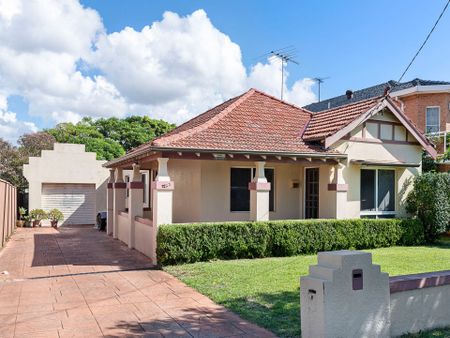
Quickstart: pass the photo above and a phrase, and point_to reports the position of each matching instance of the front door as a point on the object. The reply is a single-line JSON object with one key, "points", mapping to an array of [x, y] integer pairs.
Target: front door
{"points": [[311, 192]]}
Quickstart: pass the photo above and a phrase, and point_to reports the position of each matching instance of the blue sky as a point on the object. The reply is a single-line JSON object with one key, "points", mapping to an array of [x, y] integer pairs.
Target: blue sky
{"points": [[114, 58], [355, 43]]}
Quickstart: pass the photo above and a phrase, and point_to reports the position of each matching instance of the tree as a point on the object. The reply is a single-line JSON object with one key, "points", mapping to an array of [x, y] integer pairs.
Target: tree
{"points": [[429, 200], [86, 133], [111, 137], [132, 131], [32, 144], [11, 165]]}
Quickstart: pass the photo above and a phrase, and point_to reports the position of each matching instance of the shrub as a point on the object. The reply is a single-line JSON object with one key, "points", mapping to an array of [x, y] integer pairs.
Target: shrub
{"points": [[55, 215], [188, 243], [429, 200], [38, 215]]}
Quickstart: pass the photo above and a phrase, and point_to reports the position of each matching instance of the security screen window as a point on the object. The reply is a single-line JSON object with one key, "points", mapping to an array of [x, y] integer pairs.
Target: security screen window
{"points": [[239, 193], [377, 193], [432, 120]]}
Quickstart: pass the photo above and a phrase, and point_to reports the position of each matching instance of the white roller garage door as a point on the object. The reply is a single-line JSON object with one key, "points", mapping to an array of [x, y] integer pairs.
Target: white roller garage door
{"points": [[76, 201]]}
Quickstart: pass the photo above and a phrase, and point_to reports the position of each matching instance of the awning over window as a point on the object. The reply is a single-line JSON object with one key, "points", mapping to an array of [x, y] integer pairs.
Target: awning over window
{"points": [[385, 163]]}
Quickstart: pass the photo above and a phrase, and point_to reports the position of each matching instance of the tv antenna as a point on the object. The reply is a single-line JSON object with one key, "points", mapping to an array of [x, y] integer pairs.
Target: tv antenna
{"points": [[285, 55], [319, 81]]}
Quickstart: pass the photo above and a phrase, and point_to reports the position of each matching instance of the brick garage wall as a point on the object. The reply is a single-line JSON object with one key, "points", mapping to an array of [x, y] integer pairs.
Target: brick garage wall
{"points": [[415, 108]]}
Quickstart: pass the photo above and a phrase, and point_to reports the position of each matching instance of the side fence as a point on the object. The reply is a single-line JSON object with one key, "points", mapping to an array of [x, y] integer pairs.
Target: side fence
{"points": [[345, 295], [8, 210]]}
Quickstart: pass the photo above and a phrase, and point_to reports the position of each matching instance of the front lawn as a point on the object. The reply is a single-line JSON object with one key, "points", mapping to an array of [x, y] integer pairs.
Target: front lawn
{"points": [[266, 291]]}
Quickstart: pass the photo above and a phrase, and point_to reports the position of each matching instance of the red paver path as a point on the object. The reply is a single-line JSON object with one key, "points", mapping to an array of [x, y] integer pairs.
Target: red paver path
{"points": [[78, 282]]}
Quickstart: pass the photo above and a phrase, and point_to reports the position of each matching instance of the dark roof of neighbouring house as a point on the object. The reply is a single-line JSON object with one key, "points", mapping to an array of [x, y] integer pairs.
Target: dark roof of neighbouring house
{"points": [[370, 92]]}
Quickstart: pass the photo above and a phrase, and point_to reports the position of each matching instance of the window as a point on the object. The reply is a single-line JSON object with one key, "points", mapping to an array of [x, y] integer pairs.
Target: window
{"points": [[377, 193], [239, 193], [432, 120]]}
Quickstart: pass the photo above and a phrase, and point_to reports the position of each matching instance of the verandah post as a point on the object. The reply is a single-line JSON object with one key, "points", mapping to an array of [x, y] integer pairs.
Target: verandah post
{"points": [[259, 194]]}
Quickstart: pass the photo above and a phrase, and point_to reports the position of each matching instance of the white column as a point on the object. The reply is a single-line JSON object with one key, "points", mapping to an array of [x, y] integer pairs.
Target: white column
{"points": [[110, 203], [162, 201], [120, 190], [135, 202], [340, 187], [259, 195]]}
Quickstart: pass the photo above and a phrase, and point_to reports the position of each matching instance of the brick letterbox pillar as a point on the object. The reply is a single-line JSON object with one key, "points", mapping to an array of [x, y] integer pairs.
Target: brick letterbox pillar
{"points": [[345, 295]]}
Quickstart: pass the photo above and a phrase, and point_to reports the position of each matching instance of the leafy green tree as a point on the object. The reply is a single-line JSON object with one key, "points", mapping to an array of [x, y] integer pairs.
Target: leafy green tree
{"points": [[430, 202], [131, 131], [85, 133], [11, 164]]}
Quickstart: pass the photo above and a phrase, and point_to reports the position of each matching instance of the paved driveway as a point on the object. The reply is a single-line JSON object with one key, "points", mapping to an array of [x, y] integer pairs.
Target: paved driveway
{"points": [[78, 282]]}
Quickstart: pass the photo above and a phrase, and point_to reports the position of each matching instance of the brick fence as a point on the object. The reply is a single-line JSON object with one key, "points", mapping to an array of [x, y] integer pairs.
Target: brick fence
{"points": [[345, 295], [8, 210]]}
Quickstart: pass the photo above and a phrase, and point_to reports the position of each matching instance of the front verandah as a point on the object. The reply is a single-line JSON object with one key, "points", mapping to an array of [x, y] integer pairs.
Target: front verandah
{"points": [[197, 188]]}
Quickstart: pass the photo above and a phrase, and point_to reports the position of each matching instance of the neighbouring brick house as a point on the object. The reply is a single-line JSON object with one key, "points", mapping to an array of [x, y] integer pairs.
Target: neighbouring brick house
{"points": [[255, 157], [425, 102]]}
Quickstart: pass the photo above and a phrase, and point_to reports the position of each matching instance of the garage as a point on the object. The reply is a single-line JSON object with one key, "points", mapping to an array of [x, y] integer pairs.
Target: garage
{"points": [[76, 201]]}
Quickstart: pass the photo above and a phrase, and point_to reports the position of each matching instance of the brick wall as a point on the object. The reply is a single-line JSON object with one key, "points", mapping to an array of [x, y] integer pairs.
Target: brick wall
{"points": [[415, 108]]}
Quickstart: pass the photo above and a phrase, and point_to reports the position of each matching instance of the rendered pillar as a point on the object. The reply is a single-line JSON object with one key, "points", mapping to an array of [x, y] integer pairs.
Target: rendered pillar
{"points": [[259, 195], [338, 185], [345, 295], [110, 204], [162, 202], [135, 202], [119, 188]]}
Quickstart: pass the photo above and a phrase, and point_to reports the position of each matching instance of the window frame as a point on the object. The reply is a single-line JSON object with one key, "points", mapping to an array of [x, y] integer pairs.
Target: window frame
{"points": [[439, 119], [252, 174], [376, 212]]}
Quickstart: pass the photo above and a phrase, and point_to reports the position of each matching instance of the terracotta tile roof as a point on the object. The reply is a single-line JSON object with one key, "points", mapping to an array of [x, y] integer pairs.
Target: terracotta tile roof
{"points": [[328, 122], [253, 121]]}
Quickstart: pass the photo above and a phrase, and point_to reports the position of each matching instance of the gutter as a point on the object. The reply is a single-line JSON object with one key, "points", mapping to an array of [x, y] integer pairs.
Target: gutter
{"points": [[222, 151]]}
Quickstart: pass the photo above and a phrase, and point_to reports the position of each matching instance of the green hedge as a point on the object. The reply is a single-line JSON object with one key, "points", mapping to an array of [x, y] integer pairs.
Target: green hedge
{"points": [[188, 243]]}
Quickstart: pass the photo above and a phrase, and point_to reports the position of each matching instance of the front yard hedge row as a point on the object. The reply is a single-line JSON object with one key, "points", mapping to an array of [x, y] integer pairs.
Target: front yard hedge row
{"points": [[189, 243]]}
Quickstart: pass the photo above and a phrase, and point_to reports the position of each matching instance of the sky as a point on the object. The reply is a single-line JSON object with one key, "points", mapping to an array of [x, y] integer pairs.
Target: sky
{"points": [[61, 60]]}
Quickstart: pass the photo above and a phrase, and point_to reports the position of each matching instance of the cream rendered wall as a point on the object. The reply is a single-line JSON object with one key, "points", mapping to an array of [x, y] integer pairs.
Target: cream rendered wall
{"points": [[186, 195], [66, 163], [379, 152], [202, 190]]}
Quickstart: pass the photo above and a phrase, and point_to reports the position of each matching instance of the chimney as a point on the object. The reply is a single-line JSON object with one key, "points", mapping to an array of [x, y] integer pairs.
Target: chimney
{"points": [[349, 94]]}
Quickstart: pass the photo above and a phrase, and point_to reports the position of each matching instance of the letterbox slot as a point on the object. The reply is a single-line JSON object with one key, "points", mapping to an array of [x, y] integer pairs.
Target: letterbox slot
{"points": [[312, 291], [357, 279]]}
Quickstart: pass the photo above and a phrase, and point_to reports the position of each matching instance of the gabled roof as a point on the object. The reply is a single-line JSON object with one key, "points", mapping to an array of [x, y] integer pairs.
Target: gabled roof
{"points": [[328, 122], [370, 92], [333, 124], [253, 121]]}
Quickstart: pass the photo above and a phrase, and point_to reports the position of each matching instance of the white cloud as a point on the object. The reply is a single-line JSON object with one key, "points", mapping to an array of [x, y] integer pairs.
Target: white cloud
{"points": [[267, 77], [10, 127], [173, 69]]}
